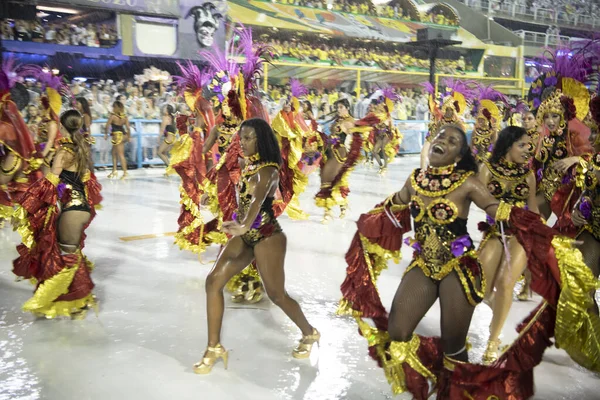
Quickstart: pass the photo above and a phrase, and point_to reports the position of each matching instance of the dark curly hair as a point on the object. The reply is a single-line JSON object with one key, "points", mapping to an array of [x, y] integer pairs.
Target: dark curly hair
{"points": [[266, 142], [507, 137]]}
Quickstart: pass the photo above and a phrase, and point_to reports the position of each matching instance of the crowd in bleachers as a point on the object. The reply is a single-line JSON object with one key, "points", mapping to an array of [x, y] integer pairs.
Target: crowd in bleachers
{"points": [[91, 35], [385, 56]]}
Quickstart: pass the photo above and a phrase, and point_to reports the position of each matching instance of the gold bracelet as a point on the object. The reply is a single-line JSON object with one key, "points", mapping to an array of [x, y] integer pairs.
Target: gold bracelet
{"points": [[13, 168]]}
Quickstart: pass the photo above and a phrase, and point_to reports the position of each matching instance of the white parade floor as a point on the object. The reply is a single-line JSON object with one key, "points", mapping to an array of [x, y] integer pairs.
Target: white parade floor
{"points": [[151, 325]]}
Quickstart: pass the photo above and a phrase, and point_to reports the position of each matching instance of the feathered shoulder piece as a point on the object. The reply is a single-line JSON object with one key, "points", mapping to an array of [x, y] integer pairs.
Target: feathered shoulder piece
{"points": [[53, 85], [191, 82]]}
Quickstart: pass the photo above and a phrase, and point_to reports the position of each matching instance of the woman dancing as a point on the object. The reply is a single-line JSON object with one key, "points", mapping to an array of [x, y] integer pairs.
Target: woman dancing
{"points": [[508, 178], [53, 239], [187, 159], [255, 235], [338, 162], [83, 107], [385, 136], [121, 134], [291, 131], [445, 267], [169, 131]]}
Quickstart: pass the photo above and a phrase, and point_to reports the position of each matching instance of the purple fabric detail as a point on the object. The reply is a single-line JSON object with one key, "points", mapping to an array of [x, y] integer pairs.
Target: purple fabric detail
{"points": [[42, 146], [586, 208], [490, 148], [460, 245], [415, 245], [566, 179], [218, 157], [490, 220], [536, 103], [540, 174], [61, 189], [333, 141], [255, 224]]}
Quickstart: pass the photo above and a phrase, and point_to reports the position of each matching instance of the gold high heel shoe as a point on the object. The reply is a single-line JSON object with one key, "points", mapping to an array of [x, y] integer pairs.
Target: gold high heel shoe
{"points": [[525, 294], [112, 175], [326, 218], [125, 175], [306, 344], [255, 292], [491, 352], [211, 356]]}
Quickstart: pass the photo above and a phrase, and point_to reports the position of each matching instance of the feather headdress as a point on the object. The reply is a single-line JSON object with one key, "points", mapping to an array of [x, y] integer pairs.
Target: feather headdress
{"points": [[255, 55], [191, 82], [484, 106], [54, 86], [227, 81], [569, 69]]}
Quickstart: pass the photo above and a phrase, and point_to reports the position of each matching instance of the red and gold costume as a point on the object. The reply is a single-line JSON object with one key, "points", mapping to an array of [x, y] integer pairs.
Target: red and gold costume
{"points": [[187, 159], [63, 284], [234, 92], [335, 193], [569, 98], [15, 139], [487, 122], [558, 275], [447, 108], [291, 130]]}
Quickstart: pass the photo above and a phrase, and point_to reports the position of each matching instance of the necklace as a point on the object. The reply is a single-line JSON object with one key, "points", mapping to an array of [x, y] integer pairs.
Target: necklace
{"points": [[252, 168], [438, 181], [507, 170]]}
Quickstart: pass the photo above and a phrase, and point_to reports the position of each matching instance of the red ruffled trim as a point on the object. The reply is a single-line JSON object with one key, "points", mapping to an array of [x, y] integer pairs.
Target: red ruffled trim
{"points": [[44, 260], [358, 288]]}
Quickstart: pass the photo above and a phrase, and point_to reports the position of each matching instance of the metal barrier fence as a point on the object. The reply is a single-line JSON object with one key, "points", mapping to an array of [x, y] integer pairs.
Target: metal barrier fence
{"points": [[142, 150]]}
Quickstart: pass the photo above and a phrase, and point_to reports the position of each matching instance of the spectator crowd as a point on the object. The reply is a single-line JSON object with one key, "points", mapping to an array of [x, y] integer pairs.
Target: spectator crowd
{"points": [[90, 35], [354, 53], [394, 9]]}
